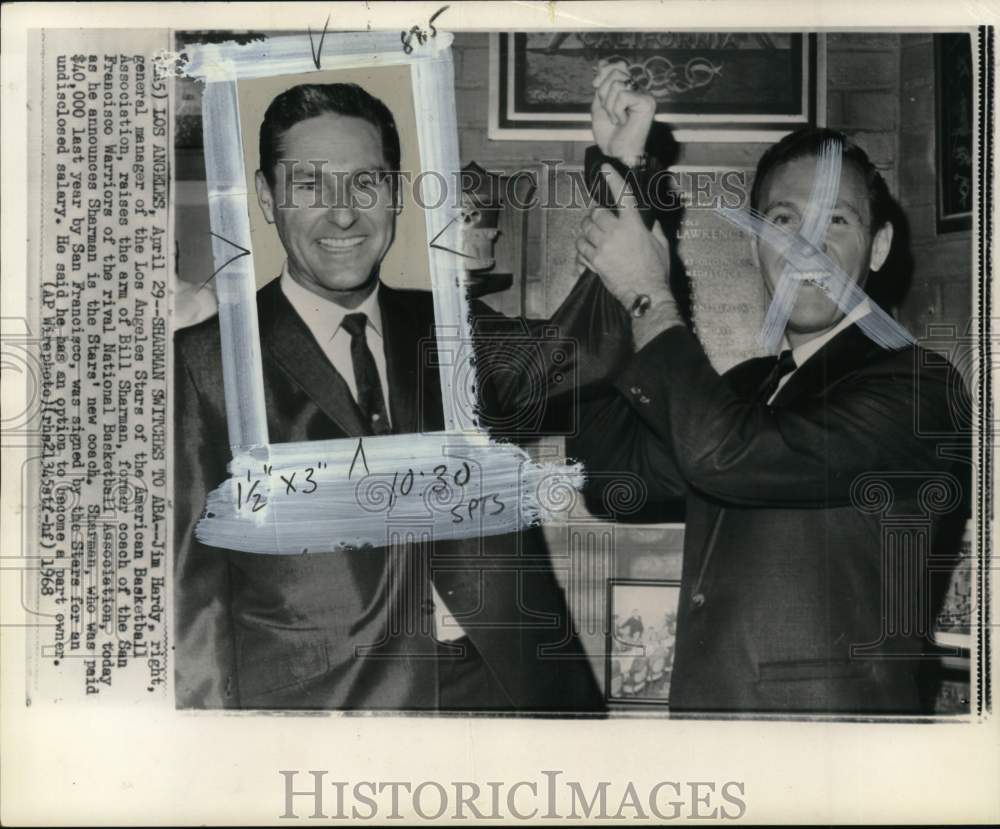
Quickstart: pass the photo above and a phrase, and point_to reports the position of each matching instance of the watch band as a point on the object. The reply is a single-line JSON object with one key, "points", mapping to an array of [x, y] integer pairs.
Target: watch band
{"points": [[641, 164]]}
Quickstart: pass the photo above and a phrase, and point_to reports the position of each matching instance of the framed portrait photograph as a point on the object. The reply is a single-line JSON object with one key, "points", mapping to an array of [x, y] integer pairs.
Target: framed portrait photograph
{"points": [[641, 636], [244, 84], [326, 186], [709, 86]]}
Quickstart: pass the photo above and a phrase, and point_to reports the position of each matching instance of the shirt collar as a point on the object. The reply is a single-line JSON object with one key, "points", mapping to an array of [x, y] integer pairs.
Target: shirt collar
{"points": [[808, 349], [322, 316]]}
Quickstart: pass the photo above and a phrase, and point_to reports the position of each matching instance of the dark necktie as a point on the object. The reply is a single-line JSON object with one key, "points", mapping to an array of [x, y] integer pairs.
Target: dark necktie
{"points": [[370, 398], [784, 365]]}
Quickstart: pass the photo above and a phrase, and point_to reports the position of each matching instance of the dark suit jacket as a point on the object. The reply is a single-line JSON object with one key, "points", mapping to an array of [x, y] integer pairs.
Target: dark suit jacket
{"points": [[267, 631], [783, 570]]}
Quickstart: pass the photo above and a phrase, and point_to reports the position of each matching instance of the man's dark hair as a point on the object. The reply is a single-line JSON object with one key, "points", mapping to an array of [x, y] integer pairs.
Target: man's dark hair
{"points": [[807, 142], [309, 100]]}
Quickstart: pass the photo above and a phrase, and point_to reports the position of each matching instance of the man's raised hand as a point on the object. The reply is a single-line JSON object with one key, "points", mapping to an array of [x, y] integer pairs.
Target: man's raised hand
{"points": [[621, 116], [630, 259]]}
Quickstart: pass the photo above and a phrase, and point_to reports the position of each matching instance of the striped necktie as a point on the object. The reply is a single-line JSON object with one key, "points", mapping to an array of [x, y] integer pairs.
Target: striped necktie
{"points": [[371, 401]]}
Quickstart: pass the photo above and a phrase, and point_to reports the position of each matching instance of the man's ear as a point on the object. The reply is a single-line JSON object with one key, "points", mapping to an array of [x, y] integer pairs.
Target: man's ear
{"points": [[265, 198], [881, 245]]}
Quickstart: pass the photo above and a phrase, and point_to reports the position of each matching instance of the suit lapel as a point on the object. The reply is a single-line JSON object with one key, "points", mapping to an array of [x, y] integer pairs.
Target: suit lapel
{"points": [[288, 340], [846, 352], [407, 318]]}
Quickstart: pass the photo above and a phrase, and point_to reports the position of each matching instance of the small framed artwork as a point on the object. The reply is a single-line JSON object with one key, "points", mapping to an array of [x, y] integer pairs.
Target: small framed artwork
{"points": [[709, 86], [639, 656], [954, 75]]}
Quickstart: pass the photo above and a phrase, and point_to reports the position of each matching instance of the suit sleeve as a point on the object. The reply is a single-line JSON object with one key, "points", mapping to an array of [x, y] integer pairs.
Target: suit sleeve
{"points": [[204, 669], [553, 367], [745, 453], [619, 450], [534, 374]]}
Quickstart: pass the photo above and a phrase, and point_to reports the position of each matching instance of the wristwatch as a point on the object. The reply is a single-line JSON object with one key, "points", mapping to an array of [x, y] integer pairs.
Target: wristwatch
{"points": [[640, 305]]}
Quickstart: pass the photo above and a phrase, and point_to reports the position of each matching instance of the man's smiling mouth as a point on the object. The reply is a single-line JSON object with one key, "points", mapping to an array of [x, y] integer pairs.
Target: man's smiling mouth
{"points": [[817, 279], [339, 244]]}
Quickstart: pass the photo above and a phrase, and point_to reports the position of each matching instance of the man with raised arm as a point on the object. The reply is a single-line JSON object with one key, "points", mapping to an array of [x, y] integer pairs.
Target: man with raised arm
{"points": [[796, 594]]}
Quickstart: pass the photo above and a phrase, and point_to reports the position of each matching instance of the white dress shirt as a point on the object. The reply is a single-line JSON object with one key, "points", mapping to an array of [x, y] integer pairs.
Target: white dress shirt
{"points": [[324, 319], [803, 352]]}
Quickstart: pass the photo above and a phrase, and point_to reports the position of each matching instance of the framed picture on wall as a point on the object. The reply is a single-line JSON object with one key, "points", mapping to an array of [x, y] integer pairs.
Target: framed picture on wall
{"points": [[709, 86], [953, 69], [639, 656]]}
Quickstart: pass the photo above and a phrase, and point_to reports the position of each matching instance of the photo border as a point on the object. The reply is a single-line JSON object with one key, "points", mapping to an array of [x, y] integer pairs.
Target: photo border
{"points": [[221, 67], [68, 771]]}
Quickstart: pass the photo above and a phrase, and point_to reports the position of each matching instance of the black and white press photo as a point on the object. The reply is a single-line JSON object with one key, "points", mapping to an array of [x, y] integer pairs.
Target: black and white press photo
{"points": [[786, 429], [482, 412]]}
